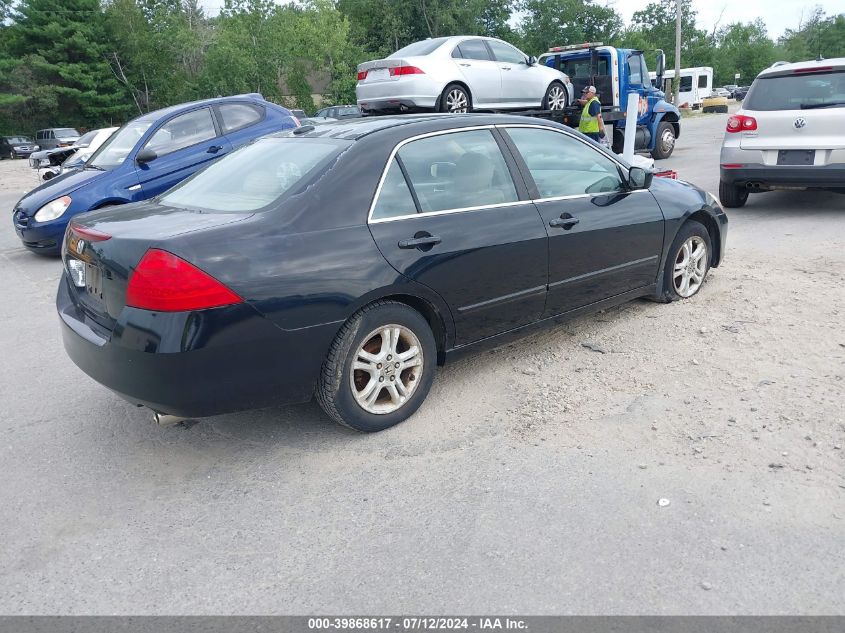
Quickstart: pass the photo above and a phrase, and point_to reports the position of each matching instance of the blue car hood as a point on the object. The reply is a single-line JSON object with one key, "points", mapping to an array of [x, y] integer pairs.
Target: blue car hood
{"points": [[62, 185]]}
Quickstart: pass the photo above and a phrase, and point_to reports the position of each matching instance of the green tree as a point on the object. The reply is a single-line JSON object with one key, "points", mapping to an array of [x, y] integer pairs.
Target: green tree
{"points": [[560, 22], [743, 48], [58, 67]]}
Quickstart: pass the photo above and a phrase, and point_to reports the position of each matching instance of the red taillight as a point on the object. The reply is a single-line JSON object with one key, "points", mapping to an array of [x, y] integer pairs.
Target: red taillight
{"points": [[731, 165], [362, 75], [165, 283], [405, 70], [741, 123], [92, 235]]}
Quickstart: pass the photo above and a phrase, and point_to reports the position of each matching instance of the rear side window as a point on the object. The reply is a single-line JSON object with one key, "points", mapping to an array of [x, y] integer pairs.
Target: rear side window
{"points": [[395, 198], [238, 115], [686, 83], [474, 49], [183, 131], [564, 166], [458, 170], [797, 92]]}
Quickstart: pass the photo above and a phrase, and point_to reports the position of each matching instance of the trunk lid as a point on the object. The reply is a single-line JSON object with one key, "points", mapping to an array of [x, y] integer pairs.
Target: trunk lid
{"points": [[101, 250], [378, 70]]}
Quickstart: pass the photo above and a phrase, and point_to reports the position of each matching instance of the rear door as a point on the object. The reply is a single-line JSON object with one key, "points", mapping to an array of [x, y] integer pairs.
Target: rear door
{"points": [[449, 214], [184, 144], [522, 86], [603, 239], [480, 71]]}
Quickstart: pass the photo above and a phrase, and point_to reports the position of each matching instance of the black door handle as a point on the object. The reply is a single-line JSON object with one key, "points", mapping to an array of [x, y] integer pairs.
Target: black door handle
{"points": [[420, 241], [214, 149], [565, 221]]}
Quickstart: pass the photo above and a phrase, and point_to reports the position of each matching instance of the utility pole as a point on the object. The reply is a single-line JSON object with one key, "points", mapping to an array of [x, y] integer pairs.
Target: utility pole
{"points": [[677, 80]]}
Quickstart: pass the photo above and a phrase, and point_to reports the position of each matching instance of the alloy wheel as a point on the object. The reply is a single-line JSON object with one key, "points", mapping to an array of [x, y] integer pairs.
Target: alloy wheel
{"points": [[667, 140], [557, 98], [690, 266], [386, 369], [456, 101]]}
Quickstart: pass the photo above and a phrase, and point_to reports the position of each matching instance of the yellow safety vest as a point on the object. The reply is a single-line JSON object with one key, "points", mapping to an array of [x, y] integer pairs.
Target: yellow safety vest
{"points": [[588, 124]]}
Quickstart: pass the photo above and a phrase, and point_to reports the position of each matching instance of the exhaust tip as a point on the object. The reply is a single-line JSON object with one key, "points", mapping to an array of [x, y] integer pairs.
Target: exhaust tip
{"points": [[162, 419]]}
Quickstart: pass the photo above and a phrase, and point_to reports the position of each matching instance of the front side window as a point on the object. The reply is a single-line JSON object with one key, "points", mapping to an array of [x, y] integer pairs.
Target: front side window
{"points": [[183, 131], [506, 53], [474, 49], [564, 166], [395, 198], [238, 115], [118, 146], [635, 70], [458, 170], [254, 176]]}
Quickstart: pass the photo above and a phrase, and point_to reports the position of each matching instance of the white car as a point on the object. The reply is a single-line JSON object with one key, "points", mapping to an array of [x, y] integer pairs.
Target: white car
{"points": [[721, 92], [789, 133], [460, 74], [57, 161]]}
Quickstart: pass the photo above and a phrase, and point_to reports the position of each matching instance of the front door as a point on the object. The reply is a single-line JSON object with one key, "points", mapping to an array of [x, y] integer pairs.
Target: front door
{"points": [[449, 215], [604, 240], [183, 145], [522, 86]]}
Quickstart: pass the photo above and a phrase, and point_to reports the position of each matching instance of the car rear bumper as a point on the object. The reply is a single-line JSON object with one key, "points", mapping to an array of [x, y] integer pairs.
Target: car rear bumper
{"points": [[195, 364], [771, 176], [408, 93]]}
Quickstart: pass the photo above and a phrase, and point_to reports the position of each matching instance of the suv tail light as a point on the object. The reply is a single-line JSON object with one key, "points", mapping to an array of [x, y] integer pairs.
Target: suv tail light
{"points": [[405, 70], [163, 282], [362, 75], [741, 123]]}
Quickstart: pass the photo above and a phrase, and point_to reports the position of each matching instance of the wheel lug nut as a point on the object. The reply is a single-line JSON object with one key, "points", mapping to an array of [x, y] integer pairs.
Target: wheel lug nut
{"points": [[389, 357], [393, 377], [397, 365], [381, 378], [378, 366]]}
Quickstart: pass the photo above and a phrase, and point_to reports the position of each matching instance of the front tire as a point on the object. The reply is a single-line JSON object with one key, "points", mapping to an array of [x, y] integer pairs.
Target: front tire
{"points": [[688, 262], [379, 368], [732, 196], [556, 97], [455, 99], [664, 145]]}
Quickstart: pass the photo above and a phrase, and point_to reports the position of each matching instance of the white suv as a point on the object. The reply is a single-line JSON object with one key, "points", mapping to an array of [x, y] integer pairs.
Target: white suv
{"points": [[789, 133]]}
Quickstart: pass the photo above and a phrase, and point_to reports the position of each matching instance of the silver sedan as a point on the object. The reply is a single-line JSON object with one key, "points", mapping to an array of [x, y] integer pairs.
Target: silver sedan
{"points": [[460, 74]]}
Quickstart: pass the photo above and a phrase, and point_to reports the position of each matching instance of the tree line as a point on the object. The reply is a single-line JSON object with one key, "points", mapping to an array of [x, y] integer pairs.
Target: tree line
{"points": [[90, 63]]}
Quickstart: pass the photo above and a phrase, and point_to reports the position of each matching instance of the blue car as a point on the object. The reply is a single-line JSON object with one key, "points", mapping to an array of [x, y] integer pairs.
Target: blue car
{"points": [[144, 158]]}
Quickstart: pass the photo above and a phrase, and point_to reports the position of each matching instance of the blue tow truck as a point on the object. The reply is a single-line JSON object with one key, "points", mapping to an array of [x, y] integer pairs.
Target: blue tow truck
{"points": [[616, 72]]}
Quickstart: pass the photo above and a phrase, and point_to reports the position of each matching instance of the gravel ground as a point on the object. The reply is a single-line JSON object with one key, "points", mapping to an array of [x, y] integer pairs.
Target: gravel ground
{"points": [[529, 481]]}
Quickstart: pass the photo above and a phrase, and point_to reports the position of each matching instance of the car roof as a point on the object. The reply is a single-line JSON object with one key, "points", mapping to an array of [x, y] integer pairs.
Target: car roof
{"points": [[780, 69], [157, 114], [354, 129]]}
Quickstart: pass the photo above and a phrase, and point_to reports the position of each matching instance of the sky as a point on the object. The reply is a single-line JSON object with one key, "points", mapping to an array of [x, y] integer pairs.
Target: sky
{"points": [[778, 15]]}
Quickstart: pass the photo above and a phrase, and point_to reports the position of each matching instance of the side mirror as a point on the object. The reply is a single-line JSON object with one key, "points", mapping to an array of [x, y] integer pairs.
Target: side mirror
{"points": [[145, 156], [532, 60], [661, 64], [639, 178]]}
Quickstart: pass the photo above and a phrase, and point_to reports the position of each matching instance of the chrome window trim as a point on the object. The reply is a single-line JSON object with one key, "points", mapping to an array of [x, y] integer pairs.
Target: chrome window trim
{"points": [[504, 126]]}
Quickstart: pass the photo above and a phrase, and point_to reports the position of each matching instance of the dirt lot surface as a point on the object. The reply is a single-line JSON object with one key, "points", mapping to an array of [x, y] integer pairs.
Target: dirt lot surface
{"points": [[529, 481]]}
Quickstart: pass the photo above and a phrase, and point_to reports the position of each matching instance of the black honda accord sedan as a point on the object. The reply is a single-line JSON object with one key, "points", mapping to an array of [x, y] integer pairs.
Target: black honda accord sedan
{"points": [[349, 260]]}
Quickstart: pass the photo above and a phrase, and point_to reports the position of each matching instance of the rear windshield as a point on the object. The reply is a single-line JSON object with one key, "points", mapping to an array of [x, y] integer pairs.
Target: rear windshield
{"points": [[797, 92], [425, 47], [254, 176]]}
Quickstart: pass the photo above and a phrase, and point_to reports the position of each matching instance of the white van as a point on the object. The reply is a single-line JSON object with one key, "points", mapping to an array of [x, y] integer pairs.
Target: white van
{"points": [[696, 85]]}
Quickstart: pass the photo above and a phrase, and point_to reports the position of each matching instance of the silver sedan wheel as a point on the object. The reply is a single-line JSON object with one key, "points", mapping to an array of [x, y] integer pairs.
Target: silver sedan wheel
{"points": [[557, 98], [387, 369], [456, 101], [690, 267]]}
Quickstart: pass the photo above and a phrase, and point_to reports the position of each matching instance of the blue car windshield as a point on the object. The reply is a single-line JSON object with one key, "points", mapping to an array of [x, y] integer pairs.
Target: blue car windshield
{"points": [[254, 176], [115, 150]]}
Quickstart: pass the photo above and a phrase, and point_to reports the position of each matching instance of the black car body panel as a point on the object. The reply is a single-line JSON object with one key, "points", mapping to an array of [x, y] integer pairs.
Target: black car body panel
{"points": [[307, 263]]}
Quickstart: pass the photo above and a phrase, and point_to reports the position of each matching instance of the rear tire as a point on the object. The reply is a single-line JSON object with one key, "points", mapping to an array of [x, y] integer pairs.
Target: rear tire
{"points": [[375, 394], [556, 97], [664, 145], [732, 196], [455, 99]]}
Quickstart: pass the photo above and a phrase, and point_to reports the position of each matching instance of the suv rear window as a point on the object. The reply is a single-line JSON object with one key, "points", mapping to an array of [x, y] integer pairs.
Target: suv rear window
{"points": [[797, 92]]}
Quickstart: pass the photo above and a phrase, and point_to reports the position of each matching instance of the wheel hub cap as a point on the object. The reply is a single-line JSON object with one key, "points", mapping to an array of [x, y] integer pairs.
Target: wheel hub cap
{"points": [[690, 266], [386, 369]]}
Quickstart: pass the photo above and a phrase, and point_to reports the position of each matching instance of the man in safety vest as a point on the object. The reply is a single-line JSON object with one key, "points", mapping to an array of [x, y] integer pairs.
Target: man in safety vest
{"points": [[591, 123]]}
